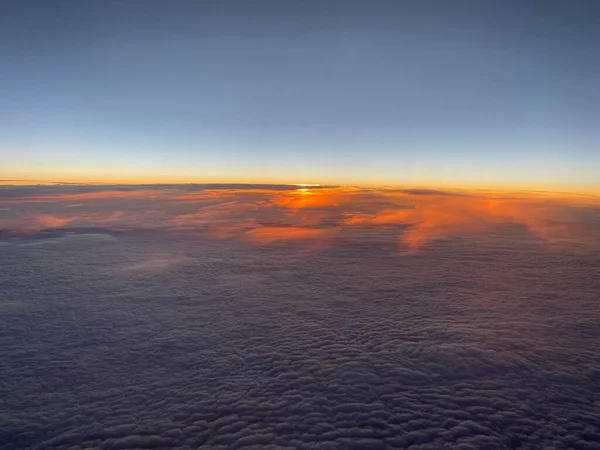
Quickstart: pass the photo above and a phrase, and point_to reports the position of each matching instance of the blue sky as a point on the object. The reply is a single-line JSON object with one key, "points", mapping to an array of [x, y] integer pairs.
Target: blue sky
{"points": [[464, 93]]}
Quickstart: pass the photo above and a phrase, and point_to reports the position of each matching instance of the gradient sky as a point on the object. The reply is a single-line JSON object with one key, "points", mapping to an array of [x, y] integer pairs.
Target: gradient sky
{"points": [[478, 93]]}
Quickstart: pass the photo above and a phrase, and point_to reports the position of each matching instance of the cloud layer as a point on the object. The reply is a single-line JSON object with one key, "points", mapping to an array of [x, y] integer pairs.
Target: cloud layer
{"points": [[257, 318], [262, 215]]}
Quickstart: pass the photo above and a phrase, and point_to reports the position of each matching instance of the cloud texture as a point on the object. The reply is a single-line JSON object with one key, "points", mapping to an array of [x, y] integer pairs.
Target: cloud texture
{"points": [[262, 214], [255, 318]]}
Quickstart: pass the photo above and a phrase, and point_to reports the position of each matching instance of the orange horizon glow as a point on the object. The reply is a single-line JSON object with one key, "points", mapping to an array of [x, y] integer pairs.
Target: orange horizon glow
{"points": [[378, 183], [313, 217]]}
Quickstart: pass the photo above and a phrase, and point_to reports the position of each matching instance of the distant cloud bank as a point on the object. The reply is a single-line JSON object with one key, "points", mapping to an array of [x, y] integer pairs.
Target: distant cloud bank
{"points": [[266, 214]]}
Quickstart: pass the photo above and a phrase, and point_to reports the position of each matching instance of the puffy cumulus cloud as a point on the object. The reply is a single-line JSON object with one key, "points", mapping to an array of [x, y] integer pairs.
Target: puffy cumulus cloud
{"points": [[228, 346]]}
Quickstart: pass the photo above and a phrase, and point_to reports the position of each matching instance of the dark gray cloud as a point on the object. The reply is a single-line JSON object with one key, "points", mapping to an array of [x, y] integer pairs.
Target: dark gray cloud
{"points": [[131, 339]]}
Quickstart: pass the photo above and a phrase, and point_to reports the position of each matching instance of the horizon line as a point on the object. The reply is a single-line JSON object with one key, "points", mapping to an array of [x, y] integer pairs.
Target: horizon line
{"points": [[38, 183]]}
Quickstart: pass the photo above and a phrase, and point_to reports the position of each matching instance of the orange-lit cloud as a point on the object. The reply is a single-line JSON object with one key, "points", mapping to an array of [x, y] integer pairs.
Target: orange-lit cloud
{"points": [[318, 216], [47, 220], [52, 221], [430, 217], [306, 198]]}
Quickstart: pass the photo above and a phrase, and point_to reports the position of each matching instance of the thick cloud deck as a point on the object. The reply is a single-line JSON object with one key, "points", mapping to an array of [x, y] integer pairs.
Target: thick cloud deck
{"points": [[255, 318]]}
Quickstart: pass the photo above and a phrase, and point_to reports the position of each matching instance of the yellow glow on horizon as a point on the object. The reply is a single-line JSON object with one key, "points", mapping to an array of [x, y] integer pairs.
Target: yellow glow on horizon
{"points": [[169, 178]]}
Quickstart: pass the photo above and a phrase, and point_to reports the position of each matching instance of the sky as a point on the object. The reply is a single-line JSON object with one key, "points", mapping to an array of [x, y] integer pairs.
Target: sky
{"points": [[478, 94]]}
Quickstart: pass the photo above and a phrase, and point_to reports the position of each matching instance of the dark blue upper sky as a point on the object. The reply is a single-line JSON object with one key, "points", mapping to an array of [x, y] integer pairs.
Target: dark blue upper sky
{"points": [[486, 93]]}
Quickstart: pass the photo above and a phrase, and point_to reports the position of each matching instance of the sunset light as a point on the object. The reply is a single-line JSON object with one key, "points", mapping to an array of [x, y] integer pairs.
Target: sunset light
{"points": [[300, 225]]}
